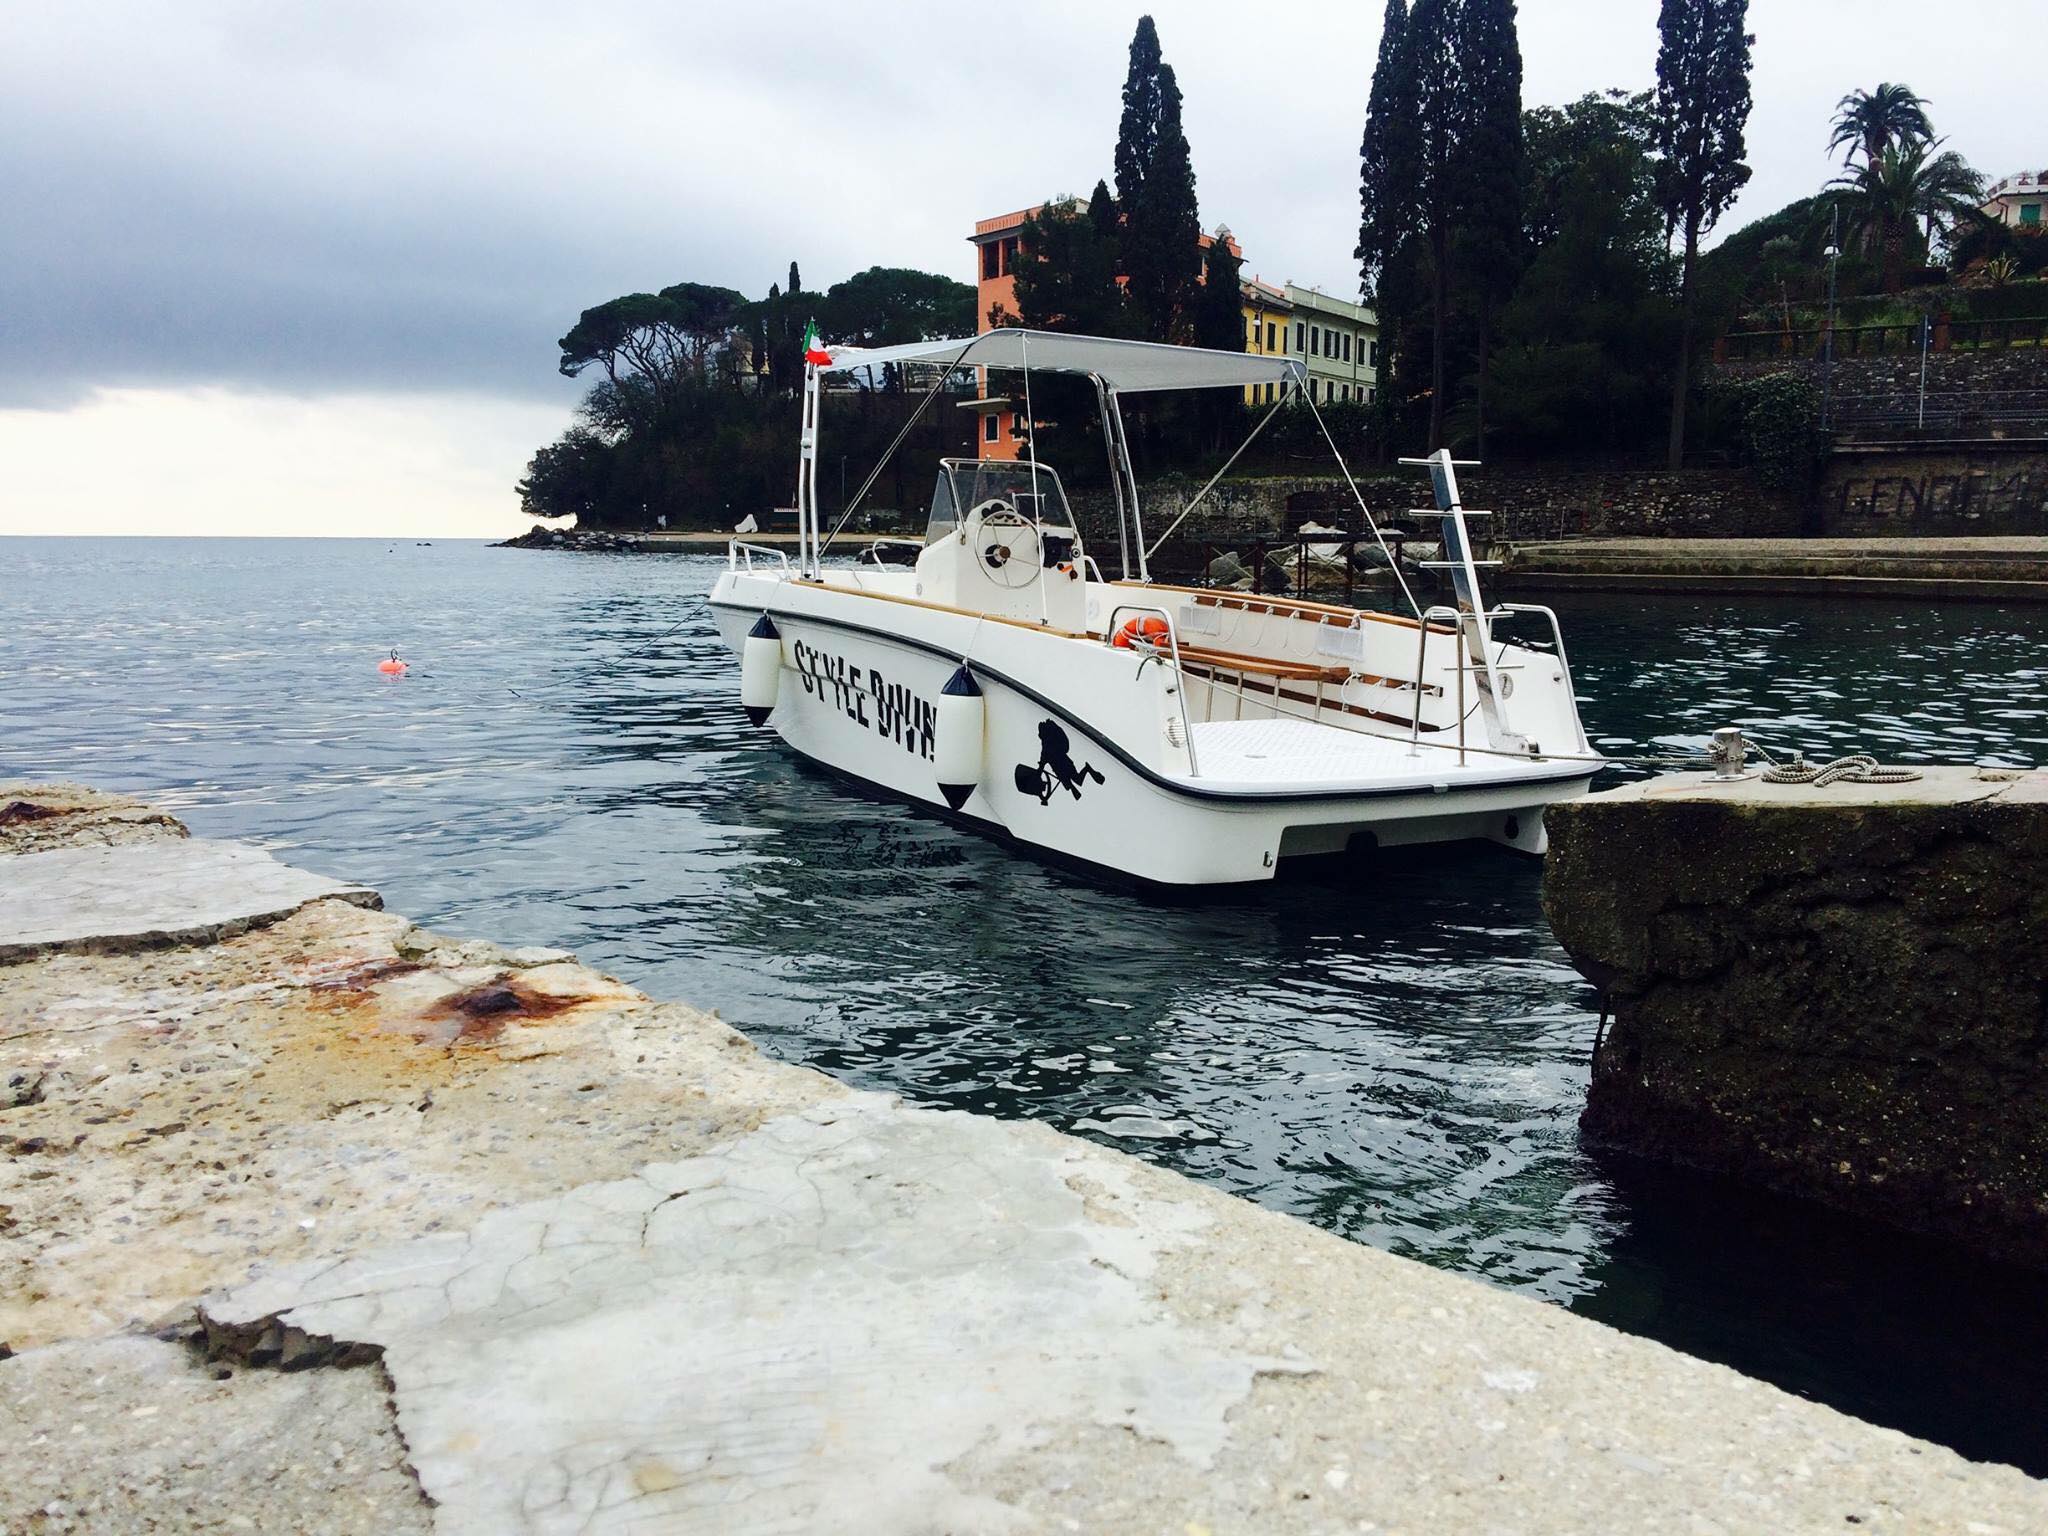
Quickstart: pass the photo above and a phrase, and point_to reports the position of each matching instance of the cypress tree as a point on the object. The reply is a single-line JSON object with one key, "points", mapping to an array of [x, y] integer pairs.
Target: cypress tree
{"points": [[1159, 225], [1489, 167], [796, 283], [1432, 52], [1218, 322], [1386, 155], [1102, 212], [1169, 227], [1219, 302], [1701, 110], [1108, 230], [1138, 130]]}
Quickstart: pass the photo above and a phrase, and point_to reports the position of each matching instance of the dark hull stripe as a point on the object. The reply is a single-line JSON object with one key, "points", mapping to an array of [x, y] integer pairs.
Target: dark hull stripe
{"points": [[1150, 776]]}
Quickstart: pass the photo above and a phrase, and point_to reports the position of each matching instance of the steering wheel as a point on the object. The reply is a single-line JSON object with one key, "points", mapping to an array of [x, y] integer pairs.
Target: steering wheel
{"points": [[1007, 544]]}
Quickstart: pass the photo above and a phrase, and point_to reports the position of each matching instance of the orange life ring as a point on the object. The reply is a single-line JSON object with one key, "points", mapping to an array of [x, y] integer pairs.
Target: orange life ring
{"points": [[1144, 629]]}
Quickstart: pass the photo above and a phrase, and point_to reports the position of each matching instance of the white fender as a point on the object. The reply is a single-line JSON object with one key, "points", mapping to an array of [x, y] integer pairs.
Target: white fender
{"points": [[956, 737], [760, 669]]}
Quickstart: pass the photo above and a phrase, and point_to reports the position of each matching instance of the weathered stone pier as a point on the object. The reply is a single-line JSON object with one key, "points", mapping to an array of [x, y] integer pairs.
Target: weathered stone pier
{"points": [[1840, 992], [311, 1219]]}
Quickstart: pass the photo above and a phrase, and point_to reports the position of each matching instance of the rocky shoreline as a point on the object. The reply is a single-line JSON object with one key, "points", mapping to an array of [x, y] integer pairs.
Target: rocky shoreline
{"points": [[539, 536]]}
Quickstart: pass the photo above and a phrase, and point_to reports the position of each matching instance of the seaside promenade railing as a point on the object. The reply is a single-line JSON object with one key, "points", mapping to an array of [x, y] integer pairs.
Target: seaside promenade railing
{"points": [[1945, 415], [1898, 340]]}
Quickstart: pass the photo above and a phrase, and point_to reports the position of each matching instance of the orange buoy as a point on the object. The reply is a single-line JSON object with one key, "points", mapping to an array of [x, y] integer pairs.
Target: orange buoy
{"points": [[1146, 629], [391, 666]]}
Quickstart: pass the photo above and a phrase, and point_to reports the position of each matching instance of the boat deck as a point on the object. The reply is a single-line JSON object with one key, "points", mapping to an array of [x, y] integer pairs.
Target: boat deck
{"points": [[1289, 754]]}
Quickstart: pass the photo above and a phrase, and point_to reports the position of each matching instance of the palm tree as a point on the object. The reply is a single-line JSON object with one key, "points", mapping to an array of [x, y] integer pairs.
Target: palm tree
{"points": [[1890, 117], [1886, 198]]}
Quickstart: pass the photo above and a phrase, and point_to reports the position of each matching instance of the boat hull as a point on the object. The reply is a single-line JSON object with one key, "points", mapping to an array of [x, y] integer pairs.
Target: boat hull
{"points": [[861, 690]]}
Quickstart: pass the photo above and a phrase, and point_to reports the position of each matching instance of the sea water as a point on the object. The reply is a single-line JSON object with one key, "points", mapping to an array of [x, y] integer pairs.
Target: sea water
{"points": [[1398, 1055]]}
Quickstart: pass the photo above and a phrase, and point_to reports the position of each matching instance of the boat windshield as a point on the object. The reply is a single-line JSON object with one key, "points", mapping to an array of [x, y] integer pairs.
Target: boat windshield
{"points": [[964, 484]]}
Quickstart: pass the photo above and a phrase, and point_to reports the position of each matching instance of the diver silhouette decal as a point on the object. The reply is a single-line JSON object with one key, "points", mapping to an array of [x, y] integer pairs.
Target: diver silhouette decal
{"points": [[1055, 768]]}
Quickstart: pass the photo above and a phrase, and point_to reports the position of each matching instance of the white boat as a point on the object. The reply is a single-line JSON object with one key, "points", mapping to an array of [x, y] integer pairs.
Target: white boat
{"points": [[1172, 735]]}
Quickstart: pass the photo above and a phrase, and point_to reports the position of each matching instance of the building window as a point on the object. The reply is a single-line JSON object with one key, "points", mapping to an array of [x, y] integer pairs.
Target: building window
{"points": [[1371, 394], [1315, 340], [1374, 358], [991, 258], [2030, 213], [1300, 331], [989, 427], [1347, 346], [1269, 335]]}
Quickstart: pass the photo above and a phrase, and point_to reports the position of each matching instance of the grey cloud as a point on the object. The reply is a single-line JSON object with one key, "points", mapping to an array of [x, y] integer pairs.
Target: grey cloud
{"points": [[378, 195]]}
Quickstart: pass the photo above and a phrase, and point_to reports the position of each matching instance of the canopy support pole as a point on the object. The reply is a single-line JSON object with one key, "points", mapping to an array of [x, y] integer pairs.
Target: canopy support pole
{"points": [[883, 462], [1116, 479], [1393, 560], [1123, 448], [1258, 427]]}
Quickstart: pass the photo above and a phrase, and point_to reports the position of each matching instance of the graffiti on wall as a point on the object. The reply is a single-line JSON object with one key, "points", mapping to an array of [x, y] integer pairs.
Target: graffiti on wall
{"points": [[2007, 500]]}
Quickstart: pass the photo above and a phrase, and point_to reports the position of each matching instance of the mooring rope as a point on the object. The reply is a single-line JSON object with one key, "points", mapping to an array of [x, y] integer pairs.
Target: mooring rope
{"points": [[1857, 768]]}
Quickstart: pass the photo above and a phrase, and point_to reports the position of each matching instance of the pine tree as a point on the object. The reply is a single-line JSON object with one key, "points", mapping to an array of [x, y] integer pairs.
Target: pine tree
{"points": [[1065, 269], [1702, 109], [1489, 171]]}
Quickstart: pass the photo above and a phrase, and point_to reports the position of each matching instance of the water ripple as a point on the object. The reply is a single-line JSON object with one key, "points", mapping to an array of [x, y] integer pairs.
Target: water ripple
{"points": [[1399, 1057]]}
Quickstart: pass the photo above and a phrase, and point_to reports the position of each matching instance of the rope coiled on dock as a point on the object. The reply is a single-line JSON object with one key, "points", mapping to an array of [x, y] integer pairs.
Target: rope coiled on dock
{"points": [[1857, 768]]}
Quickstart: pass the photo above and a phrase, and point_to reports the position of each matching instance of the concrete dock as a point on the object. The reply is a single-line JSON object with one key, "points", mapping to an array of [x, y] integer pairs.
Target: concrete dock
{"points": [[1837, 991], [1988, 569], [311, 1219]]}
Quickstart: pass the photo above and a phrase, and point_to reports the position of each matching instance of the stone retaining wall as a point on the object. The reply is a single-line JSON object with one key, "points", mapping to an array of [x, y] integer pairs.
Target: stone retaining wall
{"points": [[1528, 502], [1989, 489], [1838, 993], [1975, 370]]}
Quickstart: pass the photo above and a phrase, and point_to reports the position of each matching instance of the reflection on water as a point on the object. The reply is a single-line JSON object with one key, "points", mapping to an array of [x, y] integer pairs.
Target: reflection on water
{"points": [[1397, 1053]]}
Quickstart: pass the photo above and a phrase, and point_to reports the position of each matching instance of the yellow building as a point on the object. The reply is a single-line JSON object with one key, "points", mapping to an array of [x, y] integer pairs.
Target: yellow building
{"points": [[1266, 312]]}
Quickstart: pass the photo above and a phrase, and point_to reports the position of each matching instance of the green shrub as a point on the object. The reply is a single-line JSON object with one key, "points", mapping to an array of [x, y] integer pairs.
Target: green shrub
{"points": [[1777, 428]]}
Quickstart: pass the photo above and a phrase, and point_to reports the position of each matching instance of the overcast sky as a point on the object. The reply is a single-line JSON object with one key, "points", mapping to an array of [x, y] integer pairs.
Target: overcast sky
{"points": [[275, 267]]}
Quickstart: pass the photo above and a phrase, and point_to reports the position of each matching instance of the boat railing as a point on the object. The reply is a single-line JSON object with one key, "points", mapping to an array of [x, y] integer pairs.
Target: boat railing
{"points": [[1564, 664], [740, 556], [1460, 619], [873, 553], [1151, 651], [1456, 618]]}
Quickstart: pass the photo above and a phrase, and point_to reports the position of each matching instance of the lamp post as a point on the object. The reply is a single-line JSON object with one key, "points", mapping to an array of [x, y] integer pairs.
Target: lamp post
{"points": [[1827, 369]]}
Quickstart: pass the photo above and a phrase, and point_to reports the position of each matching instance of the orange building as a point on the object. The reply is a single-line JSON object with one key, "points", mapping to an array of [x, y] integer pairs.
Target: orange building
{"points": [[996, 242]]}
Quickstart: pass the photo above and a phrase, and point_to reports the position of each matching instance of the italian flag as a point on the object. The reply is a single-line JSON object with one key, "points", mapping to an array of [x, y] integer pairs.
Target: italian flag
{"points": [[814, 349]]}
